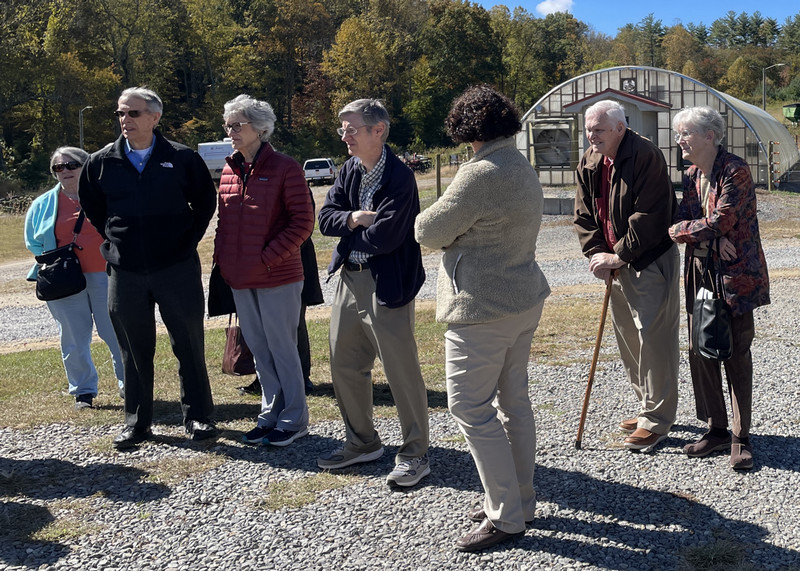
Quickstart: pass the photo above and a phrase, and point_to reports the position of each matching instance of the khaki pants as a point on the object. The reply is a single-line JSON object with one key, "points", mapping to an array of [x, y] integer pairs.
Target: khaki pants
{"points": [[361, 330], [645, 312], [487, 393]]}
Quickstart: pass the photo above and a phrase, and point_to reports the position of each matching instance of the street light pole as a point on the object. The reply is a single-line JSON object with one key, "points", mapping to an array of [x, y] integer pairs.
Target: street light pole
{"points": [[80, 123], [764, 84]]}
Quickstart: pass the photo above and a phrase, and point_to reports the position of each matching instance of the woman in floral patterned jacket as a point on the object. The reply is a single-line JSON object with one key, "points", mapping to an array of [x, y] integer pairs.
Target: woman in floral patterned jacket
{"points": [[719, 202]]}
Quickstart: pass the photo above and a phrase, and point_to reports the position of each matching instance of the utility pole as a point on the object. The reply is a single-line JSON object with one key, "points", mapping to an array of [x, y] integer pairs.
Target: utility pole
{"points": [[80, 123]]}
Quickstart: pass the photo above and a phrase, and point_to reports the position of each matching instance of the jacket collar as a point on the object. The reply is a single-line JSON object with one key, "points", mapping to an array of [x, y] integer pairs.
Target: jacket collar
{"points": [[160, 147], [236, 160], [492, 146]]}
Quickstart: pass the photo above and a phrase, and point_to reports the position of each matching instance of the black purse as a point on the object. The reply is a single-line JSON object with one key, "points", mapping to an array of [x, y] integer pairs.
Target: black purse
{"points": [[712, 337], [60, 274]]}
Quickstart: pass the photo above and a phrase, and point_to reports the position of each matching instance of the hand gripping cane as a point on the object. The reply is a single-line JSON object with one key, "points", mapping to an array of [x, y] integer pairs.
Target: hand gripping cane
{"points": [[594, 362]]}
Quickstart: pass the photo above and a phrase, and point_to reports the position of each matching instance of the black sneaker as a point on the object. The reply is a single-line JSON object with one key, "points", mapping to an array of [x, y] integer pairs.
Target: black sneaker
{"points": [[201, 430], [83, 401], [130, 437], [256, 436], [253, 388], [278, 437]]}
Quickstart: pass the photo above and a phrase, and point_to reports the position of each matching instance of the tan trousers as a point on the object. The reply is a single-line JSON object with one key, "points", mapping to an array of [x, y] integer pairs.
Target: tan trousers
{"points": [[361, 330], [487, 393], [645, 311]]}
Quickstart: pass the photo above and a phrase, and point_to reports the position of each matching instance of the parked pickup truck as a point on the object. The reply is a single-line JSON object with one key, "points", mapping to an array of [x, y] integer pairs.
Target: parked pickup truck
{"points": [[320, 170]]}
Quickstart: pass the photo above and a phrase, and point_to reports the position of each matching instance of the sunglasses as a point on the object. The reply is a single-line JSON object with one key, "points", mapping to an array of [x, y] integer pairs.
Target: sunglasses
{"points": [[235, 127], [70, 166], [133, 113]]}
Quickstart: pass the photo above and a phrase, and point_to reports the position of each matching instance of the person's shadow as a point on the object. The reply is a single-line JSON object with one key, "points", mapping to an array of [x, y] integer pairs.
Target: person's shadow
{"points": [[50, 479]]}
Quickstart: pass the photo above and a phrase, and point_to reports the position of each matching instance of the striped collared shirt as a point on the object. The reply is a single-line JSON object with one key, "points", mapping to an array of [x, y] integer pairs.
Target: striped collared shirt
{"points": [[370, 182]]}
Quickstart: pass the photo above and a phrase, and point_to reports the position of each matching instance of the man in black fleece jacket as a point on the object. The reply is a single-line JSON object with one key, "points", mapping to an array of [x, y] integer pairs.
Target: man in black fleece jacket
{"points": [[152, 199]]}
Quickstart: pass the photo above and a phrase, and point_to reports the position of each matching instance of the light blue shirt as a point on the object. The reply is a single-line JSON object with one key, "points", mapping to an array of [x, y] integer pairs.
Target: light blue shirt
{"points": [[139, 158]]}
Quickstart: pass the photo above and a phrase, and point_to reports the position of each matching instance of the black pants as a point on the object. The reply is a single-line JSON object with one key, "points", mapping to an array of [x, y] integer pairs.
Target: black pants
{"points": [[178, 291]]}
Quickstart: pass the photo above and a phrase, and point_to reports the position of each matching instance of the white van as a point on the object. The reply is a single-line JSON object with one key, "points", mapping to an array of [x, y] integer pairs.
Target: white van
{"points": [[214, 155]]}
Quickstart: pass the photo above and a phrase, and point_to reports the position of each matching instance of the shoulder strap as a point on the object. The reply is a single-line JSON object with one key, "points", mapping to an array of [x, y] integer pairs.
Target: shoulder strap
{"points": [[78, 225]]}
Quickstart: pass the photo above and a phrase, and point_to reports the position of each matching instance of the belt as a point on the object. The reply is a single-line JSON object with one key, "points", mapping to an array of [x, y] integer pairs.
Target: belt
{"points": [[351, 267]]}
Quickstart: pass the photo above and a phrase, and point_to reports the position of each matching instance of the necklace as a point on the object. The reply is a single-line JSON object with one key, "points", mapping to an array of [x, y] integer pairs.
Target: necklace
{"points": [[73, 199]]}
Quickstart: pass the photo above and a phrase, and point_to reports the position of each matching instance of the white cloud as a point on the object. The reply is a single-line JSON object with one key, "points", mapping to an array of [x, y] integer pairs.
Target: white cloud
{"points": [[552, 6]]}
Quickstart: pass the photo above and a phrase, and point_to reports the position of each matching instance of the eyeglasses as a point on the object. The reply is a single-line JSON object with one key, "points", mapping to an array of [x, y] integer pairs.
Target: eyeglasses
{"points": [[350, 131], [235, 127], [132, 113], [683, 135], [70, 166]]}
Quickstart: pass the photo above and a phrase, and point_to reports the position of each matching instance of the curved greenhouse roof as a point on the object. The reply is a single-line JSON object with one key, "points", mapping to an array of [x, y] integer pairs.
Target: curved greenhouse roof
{"points": [[552, 137]]}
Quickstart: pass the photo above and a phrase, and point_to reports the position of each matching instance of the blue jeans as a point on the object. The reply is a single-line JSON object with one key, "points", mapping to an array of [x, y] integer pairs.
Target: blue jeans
{"points": [[76, 316]]}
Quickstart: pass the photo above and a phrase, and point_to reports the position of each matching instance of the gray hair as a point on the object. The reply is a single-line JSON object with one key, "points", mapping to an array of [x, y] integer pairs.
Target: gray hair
{"points": [[610, 109], [372, 112], [69, 153], [259, 113], [151, 99], [703, 119]]}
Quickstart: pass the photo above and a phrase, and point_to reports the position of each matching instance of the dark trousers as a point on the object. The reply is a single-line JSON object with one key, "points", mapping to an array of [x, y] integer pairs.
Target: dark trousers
{"points": [[709, 394], [304, 345], [178, 291]]}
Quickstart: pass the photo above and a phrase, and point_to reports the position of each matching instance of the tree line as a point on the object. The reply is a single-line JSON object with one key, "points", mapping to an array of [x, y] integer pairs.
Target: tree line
{"points": [[62, 59]]}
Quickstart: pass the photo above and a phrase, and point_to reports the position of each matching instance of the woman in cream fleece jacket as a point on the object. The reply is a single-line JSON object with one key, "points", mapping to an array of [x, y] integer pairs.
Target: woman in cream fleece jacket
{"points": [[490, 292]]}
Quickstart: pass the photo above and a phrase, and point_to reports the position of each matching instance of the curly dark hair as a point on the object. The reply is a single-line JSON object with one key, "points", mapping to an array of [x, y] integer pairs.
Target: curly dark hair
{"points": [[482, 114]]}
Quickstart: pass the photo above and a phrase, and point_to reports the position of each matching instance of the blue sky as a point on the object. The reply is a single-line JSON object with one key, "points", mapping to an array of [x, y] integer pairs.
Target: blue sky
{"points": [[607, 17]]}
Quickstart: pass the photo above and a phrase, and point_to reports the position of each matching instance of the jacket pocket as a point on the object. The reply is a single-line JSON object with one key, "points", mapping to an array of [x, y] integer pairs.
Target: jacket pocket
{"points": [[453, 279]]}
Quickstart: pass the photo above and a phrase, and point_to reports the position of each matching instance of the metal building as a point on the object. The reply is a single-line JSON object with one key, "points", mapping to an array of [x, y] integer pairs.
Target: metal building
{"points": [[553, 139]]}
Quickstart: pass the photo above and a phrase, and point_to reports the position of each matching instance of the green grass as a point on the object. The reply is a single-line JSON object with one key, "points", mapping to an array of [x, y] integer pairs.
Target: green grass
{"points": [[12, 239]]}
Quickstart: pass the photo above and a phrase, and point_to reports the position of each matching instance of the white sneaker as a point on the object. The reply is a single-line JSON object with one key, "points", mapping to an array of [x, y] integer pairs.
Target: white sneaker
{"points": [[342, 457], [408, 473]]}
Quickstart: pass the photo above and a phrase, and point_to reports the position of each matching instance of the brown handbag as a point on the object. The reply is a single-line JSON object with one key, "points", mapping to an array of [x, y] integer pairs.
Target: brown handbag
{"points": [[237, 358]]}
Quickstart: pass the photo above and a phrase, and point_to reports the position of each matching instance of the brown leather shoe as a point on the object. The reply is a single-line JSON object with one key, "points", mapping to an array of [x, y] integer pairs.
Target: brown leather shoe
{"points": [[741, 455], [706, 445], [629, 424], [643, 440], [478, 514], [484, 536]]}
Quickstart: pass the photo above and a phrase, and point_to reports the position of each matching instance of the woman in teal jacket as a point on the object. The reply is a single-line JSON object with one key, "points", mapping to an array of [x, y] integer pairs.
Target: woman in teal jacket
{"points": [[49, 223]]}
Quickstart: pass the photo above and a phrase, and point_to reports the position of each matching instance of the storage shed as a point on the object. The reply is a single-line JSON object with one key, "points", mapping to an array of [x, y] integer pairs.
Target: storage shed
{"points": [[553, 138]]}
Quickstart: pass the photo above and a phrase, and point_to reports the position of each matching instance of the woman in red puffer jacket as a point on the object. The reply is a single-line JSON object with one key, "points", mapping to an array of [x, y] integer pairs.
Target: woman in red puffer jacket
{"points": [[265, 214]]}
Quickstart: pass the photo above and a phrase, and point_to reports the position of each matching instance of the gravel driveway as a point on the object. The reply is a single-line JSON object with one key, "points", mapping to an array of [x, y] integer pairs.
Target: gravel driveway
{"points": [[599, 508]]}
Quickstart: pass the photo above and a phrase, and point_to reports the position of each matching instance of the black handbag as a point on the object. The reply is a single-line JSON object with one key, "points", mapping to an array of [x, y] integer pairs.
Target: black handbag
{"points": [[712, 337], [60, 274]]}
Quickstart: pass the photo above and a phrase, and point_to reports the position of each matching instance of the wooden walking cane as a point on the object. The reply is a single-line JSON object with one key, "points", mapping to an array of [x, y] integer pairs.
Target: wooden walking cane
{"points": [[594, 361]]}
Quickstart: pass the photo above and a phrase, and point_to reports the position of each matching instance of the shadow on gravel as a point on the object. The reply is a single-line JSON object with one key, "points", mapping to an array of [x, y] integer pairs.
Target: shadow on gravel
{"points": [[605, 537], [50, 479]]}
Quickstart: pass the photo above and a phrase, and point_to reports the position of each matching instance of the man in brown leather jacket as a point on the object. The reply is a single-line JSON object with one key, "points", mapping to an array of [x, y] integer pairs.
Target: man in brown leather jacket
{"points": [[623, 207]]}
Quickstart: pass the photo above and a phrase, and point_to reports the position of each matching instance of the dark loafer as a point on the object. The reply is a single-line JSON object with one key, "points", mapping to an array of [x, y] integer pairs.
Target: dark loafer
{"points": [[130, 437], [484, 536], [201, 430], [706, 445], [741, 454], [253, 388], [478, 514]]}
